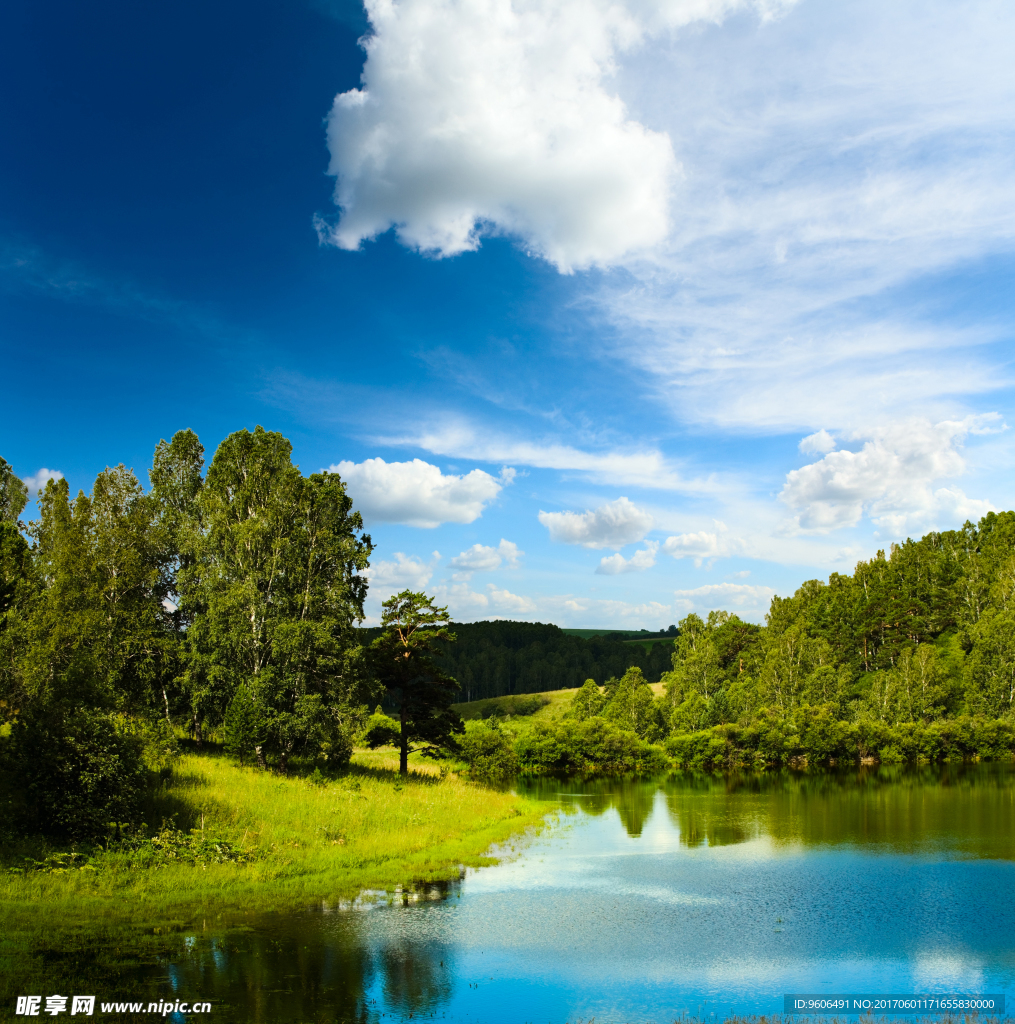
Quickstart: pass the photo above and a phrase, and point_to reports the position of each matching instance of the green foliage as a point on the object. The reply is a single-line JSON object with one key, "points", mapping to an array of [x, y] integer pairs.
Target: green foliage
{"points": [[17, 594], [380, 731], [587, 703], [13, 493], [593, 747], [79, 772], [488, 751], [272, 586], [631, 706], [815, 736], [405, 658]]}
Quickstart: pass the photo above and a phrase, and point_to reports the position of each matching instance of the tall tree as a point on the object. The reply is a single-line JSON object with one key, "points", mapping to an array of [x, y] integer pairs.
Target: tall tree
{"points": [[405, 659], [274, 588]]}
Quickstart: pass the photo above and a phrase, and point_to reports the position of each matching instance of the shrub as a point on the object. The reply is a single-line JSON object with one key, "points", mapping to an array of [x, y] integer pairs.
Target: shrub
{"points": [[79, 772], [593, 747], [487, 750], [380, 731]]}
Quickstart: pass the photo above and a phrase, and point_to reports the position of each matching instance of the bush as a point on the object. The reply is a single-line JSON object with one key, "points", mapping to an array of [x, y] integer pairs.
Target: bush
{"points": [[336, 750], [487, 750], [380, 731], [593, 747], [79, 772]]}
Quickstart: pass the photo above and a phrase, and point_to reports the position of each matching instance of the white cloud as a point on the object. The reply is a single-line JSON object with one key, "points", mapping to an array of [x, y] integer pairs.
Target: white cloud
{"points": [[406, 572], [610, 526], [492, 116], [822, 442], [891, 479], [613, 565], [830, 160], [416, 493], [742, 598], [37, 481], [466, 604], [504, 600], [480, 558], [703, 544]]}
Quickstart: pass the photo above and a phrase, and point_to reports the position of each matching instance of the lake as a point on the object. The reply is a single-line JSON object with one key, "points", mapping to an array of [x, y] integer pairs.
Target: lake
{"points": [[641, 901]]}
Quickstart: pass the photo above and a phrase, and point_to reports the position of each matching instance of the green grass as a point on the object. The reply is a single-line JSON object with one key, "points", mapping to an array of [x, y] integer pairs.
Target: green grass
{"points": [[557, 702], [587, 633], [366, 830], [649, 644]]}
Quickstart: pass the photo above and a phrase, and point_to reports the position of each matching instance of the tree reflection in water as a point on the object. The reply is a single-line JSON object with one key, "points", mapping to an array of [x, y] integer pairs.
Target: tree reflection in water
{"points": [[903, 809]]}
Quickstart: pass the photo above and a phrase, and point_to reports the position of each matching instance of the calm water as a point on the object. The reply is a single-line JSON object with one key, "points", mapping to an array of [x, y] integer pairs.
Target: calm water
{"points": [[643, 901]]}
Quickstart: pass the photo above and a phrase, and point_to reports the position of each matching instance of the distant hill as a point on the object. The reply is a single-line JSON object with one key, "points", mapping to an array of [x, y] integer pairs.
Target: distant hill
{"points": [[493, 659]]}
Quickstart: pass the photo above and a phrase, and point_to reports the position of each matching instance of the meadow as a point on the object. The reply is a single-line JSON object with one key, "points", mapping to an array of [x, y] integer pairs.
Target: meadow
{"points": [[220, 835]]}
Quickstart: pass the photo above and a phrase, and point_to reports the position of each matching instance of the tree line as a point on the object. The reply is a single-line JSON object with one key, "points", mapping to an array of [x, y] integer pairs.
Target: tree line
{"points": [[228, 597], [501, 657]]}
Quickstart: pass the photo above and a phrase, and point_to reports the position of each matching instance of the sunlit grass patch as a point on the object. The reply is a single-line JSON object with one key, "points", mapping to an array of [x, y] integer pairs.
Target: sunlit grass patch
{"points": [[299, 839]]}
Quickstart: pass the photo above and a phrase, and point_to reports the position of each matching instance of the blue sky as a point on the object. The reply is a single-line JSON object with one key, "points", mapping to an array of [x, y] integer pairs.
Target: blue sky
{"points": [[607, 311]]}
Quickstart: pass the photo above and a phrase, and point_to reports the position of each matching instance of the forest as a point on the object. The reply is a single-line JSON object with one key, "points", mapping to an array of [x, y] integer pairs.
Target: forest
{"points": [[491, 659], [225, 602]]}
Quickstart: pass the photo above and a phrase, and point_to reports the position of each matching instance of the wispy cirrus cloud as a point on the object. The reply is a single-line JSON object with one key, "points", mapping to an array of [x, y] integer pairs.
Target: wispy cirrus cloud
{"points": [[638, 467]]}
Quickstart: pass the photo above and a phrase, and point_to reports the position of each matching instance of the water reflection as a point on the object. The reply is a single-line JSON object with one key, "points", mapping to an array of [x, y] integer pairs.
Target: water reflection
{"points": [[969, 809], [651, 898]]}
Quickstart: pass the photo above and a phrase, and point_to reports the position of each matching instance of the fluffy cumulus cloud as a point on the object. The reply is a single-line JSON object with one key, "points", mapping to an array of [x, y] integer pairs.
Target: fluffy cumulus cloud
{"points": [[493, 115], [822, 443], [500, 116], [614, 565], [480, 558], [891, 478], [705, 544], [610, 526], [37, 481], [416, 493], [742, 598], [406, 572]]}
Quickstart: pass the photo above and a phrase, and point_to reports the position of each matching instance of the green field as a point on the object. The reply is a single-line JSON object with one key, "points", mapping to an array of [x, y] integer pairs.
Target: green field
{"points": [[629, 634]]}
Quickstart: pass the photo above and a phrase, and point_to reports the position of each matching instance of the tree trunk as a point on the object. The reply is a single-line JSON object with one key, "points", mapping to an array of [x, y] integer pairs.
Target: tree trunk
{"points": [[197, 731], [403, 752], [259, 750]]}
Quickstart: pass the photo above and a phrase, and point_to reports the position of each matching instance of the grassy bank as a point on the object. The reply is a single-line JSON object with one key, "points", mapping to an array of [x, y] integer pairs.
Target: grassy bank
{"points": [[255, 840]]}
